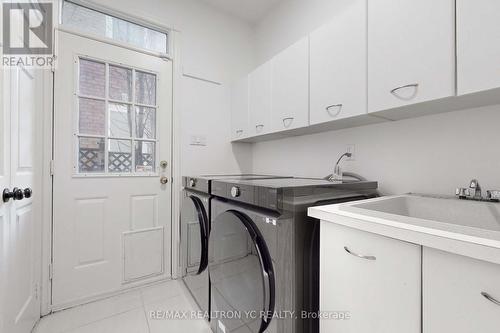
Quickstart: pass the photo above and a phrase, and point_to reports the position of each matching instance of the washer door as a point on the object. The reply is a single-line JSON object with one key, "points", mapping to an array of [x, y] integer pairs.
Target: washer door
{"points": [[241, 272], [194, 235]]}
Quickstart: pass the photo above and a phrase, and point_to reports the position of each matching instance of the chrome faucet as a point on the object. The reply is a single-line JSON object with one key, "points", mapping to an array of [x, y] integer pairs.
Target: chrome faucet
{"points": [[475, 189], [474, 192]]}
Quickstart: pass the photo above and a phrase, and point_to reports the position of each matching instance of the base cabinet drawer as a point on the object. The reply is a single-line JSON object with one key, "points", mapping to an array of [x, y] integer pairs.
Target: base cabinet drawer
{"points": [[461, 295], [377, 280]]}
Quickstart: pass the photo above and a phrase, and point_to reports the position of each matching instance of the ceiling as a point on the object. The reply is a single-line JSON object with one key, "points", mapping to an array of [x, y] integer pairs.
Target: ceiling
{"points": [[248, 10]]}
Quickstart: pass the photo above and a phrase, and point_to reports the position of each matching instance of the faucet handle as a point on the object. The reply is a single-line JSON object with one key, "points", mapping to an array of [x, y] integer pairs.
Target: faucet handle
{"points": [[462, 192], [493, 195]]}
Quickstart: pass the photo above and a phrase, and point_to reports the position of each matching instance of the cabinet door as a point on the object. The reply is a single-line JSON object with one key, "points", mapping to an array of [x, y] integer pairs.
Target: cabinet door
{"points": [[260, 99], [381, 291], [478, 45], [291, 87], [411, 52], [456, 291], [239, 109], [338, 65]]}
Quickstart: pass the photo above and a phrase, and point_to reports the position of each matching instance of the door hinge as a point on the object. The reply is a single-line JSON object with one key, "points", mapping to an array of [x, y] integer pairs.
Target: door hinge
{"points": [[51, 271], [51, 167], [36, 290]]}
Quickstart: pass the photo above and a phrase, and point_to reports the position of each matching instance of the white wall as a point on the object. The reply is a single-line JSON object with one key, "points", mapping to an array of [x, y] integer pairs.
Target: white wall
{"points": [[433, 154], [214, 46]]}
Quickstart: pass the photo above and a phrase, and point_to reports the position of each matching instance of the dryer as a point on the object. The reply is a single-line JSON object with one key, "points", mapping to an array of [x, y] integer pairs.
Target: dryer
{"points": [[264, 252], [194, 232]]}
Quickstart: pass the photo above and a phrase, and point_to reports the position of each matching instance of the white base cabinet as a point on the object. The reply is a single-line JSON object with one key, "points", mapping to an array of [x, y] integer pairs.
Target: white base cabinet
{"points": [[456, 291], [381, 291]]}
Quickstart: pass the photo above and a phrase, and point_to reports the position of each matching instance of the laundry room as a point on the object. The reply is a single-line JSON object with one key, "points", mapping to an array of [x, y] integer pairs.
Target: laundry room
{"points": [[249, 166]]}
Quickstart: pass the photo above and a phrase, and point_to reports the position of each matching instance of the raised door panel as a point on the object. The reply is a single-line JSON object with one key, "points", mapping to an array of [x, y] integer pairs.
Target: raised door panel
{"points": [[411, 52], [456, 291], [239, 109], [290, 89], [338, 65], [478, 45], [260, 99], [380, 292]]}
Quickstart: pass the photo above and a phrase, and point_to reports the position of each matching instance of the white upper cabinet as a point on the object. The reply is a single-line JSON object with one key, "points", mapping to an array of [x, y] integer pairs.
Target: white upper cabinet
{"points": [[478, 45], [411, 52], [338, 65], [239, 109], [290, 87], [260, 99]]}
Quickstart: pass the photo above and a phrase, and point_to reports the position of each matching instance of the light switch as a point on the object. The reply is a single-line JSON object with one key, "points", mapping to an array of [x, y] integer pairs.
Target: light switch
{"points": [[198, 140]]}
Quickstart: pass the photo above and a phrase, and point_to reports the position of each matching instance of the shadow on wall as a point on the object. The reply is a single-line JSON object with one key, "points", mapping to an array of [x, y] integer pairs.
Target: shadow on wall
{"points": [[206, 113], [432, 154]]}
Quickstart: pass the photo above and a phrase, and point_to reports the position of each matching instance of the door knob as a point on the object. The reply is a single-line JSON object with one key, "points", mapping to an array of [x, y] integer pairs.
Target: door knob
{"points": [[16, 194], [163, 164], [163, 180], [28, 192]]}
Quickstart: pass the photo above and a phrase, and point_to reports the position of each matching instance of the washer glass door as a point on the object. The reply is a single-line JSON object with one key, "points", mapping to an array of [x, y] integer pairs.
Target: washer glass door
{"points": [[241, 274], [194, 235]]}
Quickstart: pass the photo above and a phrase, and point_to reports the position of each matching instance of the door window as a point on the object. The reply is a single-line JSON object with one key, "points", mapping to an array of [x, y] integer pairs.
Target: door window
{"points": [[116, 129]]}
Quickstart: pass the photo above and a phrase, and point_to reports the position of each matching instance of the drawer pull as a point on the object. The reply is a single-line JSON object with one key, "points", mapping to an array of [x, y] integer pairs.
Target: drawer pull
{"points": [[490, 298], [359, 255], [407, 98], [337, 107], [287, 122]]}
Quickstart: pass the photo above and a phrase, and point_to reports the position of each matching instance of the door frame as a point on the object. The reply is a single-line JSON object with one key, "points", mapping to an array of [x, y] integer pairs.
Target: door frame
{"points": [[47, 137]]}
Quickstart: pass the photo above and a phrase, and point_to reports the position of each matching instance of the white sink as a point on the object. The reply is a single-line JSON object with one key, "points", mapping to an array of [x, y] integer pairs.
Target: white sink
{"points": [[473, 214], [467, 228]]}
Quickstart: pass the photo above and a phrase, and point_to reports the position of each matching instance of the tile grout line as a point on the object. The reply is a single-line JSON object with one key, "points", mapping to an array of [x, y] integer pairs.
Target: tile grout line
{"points": [[144, 311]]}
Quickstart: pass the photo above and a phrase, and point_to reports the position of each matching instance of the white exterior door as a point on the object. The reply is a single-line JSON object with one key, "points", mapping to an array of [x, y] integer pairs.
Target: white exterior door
{"points": [[20, 231], [112, 127]]}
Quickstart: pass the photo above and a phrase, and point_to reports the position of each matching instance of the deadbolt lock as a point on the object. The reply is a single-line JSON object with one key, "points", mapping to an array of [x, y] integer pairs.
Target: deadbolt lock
{"points": [[163, 164], [163, 180]]}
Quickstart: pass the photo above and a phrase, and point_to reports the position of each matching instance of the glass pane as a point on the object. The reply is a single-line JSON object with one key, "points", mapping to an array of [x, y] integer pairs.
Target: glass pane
{"points": [[120, 120], [144, 156], [120, 156], [92, 80], [145, 88], [93, 22], [90, 155], [91, 116], [145, 122], [120, 83]]}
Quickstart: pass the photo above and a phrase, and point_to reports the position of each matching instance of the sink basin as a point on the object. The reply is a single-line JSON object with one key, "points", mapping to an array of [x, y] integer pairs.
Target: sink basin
{"points": [[474, 214], [463, 227]]}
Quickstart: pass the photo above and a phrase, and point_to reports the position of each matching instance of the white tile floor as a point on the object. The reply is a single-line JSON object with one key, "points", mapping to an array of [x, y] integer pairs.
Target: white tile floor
{"points": [[129, 313]]}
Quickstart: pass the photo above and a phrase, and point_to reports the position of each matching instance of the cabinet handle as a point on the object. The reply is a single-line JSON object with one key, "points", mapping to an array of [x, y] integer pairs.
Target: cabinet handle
{"points": [[359, 255], [334, 106], [259, 128], [413, 85], [490, 298], [288, 121]]}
